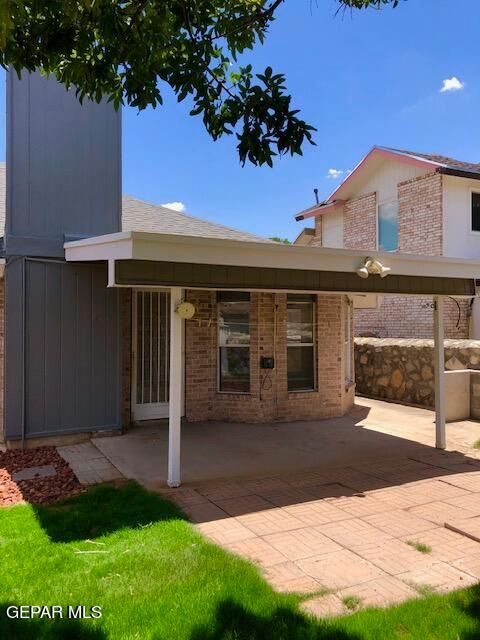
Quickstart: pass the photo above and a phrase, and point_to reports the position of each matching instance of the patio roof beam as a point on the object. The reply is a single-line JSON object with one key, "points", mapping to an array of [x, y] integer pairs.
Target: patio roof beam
{"points": [[439, 359], [175, 390]]}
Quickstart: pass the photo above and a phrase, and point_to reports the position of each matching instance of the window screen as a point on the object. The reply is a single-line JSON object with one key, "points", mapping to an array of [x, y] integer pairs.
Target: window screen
{"points": [[300, 343], [234, 342]]}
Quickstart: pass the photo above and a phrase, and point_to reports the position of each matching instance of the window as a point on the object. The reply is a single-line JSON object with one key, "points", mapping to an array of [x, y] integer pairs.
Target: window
{"points": [[475, 211], [388, 226], [234, 341], [300, 343]]}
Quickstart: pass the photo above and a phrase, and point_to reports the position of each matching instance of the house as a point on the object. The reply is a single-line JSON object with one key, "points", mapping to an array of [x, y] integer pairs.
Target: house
{"points": [[81, 357], [116, 312], [396, 200]]}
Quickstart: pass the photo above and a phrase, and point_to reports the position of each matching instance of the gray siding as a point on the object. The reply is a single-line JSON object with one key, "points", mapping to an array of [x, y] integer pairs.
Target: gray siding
{"points": [[63, 167], [65, 376]]}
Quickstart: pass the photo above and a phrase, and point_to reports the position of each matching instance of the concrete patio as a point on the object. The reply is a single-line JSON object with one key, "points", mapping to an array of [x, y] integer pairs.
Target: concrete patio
{"points": [[217, 451], [337, 508]]}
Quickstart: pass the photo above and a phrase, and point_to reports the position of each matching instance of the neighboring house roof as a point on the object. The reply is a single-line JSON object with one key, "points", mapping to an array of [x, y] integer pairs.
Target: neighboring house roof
{"points": [[138, 215], [430, 161], [305, 236]]}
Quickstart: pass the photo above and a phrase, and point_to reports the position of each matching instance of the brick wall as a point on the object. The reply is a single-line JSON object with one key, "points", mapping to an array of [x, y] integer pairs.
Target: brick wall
{"points": [[412, 317], [269, 399], [317, 239], [360, 223], [420, 217], [420, 231]]}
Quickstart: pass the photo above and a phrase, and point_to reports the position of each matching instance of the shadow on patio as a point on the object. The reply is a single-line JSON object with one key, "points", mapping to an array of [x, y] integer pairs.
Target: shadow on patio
{"points": [[376, 445]]}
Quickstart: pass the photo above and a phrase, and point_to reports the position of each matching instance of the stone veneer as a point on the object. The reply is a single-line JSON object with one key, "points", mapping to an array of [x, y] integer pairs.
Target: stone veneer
{"points": [[269, 399], [403, 370]]}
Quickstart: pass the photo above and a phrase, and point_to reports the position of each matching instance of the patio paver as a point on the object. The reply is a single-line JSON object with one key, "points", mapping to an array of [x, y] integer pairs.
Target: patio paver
{"points": [[308, 532], [328, 515], [441, 577], [381, 592], [326, 606], [339, 569], [89, 464]]}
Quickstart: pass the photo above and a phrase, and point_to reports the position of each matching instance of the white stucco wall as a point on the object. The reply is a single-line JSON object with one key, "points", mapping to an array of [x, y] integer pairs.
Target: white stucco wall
{"points": [[459, 239], [384, 179]]}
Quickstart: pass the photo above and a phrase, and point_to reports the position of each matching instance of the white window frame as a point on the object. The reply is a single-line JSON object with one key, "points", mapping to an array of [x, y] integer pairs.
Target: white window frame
{"points": [[377, 219], [470, 212], [300, 345], [234, 345]]}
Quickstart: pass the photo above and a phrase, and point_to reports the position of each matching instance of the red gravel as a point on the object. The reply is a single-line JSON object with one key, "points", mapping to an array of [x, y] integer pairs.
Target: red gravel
{"points": [[38, 490]]}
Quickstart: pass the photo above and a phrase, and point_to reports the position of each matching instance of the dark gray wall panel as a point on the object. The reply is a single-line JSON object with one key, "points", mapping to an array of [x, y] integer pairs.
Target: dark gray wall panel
{"points": [[63, 166], [14, 369], [72, 349], [174, 274]]}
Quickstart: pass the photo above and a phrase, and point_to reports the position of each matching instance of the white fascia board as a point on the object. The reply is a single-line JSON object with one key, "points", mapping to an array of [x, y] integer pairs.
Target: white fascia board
{"points": [[107, 247], [188, 249]]}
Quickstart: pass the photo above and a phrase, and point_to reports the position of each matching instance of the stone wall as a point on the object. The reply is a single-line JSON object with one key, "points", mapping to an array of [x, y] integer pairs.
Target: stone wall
{"points": [[403, 370]]}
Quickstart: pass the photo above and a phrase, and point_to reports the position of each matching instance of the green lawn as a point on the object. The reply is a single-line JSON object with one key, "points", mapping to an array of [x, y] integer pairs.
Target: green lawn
{"points": [[156, 578]]}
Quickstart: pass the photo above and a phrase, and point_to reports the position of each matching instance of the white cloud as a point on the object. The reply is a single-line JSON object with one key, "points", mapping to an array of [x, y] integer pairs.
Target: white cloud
{"points": [[452, 84], [176, 206], [334, 174]]}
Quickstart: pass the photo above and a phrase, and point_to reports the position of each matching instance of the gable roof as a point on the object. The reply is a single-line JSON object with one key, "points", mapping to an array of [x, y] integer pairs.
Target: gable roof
{"points": [[438, 159], [431, 162], [138, 215]]}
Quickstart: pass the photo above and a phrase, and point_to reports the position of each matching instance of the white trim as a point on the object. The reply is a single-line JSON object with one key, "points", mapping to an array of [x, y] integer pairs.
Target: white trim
{"points": [[175, 386], [134, 245], [151, 410], [313, 303], [239, 345]]}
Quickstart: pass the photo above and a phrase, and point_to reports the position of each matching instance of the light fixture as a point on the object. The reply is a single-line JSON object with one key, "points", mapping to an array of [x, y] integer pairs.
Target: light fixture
{"points": [[371, 266], [186, 310]]}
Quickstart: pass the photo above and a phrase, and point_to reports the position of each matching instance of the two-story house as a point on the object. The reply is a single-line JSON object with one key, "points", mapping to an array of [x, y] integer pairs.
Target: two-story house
{"points": [[408, 202]]}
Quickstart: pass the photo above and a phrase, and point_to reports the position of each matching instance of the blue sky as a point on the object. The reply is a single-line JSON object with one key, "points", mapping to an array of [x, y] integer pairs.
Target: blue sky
{"points": [[371, 77]]}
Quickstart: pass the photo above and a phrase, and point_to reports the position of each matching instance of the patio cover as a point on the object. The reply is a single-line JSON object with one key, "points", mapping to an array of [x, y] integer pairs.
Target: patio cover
{"points": [[177, 262]]}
